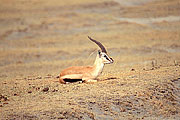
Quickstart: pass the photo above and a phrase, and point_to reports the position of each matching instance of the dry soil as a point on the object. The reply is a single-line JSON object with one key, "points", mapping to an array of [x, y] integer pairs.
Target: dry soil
{"points": [[39, 38]]}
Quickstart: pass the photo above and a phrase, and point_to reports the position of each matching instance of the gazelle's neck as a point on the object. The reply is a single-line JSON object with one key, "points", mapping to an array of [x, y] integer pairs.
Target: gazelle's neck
{"points": [[98, 66]]}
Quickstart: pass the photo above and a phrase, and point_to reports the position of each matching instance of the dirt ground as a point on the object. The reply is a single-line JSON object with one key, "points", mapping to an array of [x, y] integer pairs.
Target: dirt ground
{"points": [[39, 38]]}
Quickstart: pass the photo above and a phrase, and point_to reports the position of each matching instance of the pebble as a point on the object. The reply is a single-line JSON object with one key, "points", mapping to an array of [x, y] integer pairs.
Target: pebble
{"points": [[45, 89], [29, 91]]}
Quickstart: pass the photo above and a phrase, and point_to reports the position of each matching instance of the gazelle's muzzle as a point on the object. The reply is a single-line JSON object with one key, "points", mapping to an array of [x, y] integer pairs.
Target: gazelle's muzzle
{"points": [[112, 60]]}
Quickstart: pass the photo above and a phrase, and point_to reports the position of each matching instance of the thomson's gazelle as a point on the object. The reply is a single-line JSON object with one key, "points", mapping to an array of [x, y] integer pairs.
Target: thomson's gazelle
{"points": [[87, 73]]}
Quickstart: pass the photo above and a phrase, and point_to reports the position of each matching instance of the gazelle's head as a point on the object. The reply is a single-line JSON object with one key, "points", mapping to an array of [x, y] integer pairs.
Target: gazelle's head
{"points": [[103, 53]]}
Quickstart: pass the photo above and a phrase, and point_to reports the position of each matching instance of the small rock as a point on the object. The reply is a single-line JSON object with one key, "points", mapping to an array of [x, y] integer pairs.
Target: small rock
{"points": [[132, 69], [54, 90], [123, 110], [38, 88], [5, 98], [29, 91], [45, 89]]}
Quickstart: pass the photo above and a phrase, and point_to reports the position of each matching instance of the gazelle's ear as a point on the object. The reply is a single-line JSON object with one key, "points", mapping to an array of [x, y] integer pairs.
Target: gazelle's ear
{"points": [[99, 53]]}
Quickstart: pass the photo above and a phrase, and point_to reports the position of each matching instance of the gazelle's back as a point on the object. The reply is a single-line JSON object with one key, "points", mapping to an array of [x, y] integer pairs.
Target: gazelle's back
{"points": [[76, 70]]}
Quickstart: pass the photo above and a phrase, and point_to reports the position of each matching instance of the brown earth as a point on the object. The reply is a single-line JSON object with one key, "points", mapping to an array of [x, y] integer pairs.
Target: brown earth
{"points": [[40, 38]]}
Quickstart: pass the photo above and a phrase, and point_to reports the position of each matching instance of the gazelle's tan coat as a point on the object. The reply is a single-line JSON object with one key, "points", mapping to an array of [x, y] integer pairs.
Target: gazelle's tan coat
{"points": [[87, 73]]}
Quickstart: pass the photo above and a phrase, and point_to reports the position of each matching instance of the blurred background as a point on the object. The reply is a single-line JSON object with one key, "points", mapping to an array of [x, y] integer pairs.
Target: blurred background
{"points": [[36, 35]]}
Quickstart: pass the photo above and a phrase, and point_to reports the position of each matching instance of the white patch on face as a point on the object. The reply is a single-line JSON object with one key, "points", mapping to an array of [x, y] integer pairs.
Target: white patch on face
{"points": [[106, 59]]}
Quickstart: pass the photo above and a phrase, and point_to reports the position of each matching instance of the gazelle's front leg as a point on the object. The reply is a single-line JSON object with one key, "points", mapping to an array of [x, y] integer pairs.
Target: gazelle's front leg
{"points": [[89, 80], [61, 80]]}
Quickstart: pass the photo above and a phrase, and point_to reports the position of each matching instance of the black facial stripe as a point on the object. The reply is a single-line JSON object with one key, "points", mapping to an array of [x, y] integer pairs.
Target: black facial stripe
{"points": [[107, 57]]}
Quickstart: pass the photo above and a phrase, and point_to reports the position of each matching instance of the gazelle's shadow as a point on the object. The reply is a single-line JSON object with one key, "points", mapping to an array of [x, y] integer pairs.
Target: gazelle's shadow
{"points": [[80, 80], [72, 80]]}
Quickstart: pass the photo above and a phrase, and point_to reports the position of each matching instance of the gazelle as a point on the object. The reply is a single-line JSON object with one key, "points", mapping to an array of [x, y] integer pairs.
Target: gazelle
{"points": [[87, 73]]}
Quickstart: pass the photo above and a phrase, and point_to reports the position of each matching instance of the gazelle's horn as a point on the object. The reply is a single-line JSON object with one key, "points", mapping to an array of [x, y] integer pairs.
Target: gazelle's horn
{"points": [[99, 44]]}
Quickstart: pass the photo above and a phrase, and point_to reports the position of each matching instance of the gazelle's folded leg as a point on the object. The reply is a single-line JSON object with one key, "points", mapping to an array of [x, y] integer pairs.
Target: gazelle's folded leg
{"points": [[62, 81], [89, 81]]}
